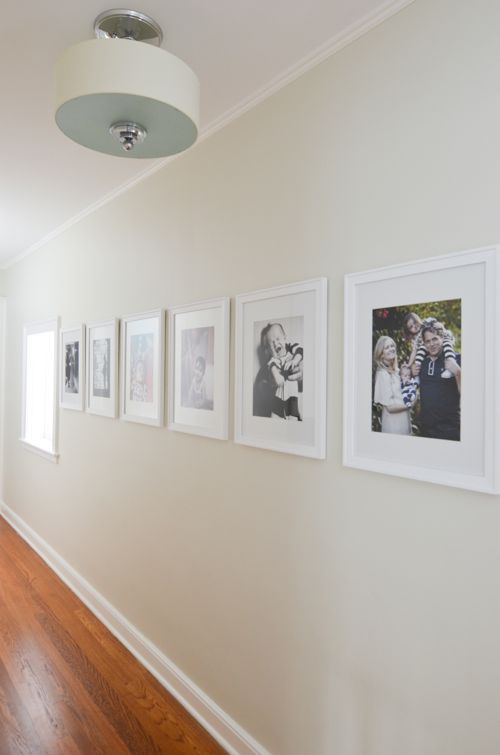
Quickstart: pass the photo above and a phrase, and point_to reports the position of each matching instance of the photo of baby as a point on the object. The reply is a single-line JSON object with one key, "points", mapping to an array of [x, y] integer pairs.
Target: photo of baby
{"points": [[197, 369], [279, 368]]}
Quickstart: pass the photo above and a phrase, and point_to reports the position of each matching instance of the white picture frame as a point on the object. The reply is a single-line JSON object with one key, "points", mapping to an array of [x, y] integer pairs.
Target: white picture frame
{"points": [[102, 368], [72, 368], [198, 392], [142, 365], [470, 460], [272, 392]]}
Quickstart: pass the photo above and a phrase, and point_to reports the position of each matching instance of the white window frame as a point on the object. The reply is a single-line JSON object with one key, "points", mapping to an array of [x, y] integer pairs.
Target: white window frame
{"points": [[31, 329]]}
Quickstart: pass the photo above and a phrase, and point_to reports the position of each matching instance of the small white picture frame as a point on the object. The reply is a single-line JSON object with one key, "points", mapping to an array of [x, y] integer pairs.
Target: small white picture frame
{"points": [[465, 456], [198, 392], [142, 358], [281, 364], [72, 368], [102, 368]]}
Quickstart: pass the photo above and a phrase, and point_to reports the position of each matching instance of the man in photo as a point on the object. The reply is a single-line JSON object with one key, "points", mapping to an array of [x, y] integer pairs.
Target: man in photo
{"points": [[439, 388]]}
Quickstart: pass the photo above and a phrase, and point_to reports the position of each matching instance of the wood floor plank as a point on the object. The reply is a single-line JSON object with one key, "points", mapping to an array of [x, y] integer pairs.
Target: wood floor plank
{"points": [[70, 686], [17, 732], [57, 702]]}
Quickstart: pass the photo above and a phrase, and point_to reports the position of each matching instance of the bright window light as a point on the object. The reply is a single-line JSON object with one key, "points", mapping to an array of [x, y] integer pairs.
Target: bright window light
{"points": [[39, 399]]}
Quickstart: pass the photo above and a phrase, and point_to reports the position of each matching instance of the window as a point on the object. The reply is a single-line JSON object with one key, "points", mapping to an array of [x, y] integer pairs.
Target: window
{"points": [[39, 388]]}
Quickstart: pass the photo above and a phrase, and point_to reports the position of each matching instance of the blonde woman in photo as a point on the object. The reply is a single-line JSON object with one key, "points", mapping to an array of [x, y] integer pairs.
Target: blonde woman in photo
{"points": [[387, 391]]}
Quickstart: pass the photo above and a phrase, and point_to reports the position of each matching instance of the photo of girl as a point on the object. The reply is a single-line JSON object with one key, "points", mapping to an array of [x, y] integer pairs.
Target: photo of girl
{"points": [[417, 370]]}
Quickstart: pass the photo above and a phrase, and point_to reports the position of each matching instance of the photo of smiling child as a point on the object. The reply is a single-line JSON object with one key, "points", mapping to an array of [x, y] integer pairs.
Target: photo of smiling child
{"points": [[279, 365]]}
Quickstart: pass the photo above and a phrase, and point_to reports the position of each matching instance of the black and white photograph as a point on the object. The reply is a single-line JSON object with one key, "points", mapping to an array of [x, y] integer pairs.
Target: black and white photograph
{"points": [[417, 369], [101, 372], [72, 368], [102, 368], [279, 368], [280, 382], [420, 370], [197, 377], [199, 368], [71, 364], [142, 367]]}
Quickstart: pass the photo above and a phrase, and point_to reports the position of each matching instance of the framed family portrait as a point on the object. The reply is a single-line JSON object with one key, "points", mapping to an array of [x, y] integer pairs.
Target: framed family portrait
{"points": [[199, 368], [281, 353], [421, 367], [102, 368], [142, 367], [72, 370]]}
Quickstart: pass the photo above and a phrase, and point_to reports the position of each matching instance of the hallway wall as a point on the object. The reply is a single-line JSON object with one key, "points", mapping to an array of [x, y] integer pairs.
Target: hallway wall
{"points": [[327, 610]]}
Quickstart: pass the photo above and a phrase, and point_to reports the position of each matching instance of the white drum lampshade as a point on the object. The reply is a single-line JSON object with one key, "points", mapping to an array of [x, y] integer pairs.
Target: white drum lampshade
{"points": [[126, 98]]}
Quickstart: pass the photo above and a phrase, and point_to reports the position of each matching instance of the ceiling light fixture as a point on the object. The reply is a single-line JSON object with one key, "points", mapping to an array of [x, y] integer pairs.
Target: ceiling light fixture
{"points": [[123, 95]]}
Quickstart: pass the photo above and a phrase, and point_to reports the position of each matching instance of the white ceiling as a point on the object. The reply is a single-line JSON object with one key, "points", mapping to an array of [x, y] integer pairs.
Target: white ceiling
{"points": [[240, 50]]}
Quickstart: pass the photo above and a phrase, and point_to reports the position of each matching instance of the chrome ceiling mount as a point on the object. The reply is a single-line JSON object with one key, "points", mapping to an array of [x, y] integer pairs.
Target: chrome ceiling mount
{"points": [[128, 134], [128, 24]]}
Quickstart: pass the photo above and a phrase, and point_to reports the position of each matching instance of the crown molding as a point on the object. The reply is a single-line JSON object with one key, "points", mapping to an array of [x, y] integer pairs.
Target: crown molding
{"points": [[317, 56]]}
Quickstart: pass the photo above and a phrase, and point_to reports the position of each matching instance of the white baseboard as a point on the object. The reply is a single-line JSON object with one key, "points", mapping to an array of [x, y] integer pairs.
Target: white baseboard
{"points": [[227, 732]]}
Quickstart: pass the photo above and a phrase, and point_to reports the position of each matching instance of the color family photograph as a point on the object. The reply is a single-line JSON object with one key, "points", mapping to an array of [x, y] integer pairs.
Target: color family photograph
{"points": [[417, 368]]}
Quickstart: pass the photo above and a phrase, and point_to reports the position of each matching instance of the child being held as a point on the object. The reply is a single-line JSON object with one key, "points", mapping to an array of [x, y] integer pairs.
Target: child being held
{"points": [[409, 385], [412, 329], [285, 368]]}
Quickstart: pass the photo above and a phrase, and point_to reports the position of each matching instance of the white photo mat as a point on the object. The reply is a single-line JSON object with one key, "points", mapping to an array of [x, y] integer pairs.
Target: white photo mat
{"points": [[142, 360], [198, 393], [72, 368], [102, 368], [300, 308], [471, 463]]}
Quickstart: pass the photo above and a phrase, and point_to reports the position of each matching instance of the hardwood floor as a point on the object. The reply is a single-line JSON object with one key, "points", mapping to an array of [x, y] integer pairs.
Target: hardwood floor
{"points": [[67, 686]]}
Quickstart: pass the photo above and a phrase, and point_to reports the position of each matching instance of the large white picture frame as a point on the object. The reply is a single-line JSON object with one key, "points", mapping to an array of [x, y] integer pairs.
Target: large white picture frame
{"points": [[466, 456], [142, 362], [72, 368], [198, 393], [102, 368], [280, 377]]}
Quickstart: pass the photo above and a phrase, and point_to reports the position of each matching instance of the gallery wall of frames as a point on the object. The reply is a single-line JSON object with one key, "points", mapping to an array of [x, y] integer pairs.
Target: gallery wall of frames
{"points": [[118, 368], [412, 405]]}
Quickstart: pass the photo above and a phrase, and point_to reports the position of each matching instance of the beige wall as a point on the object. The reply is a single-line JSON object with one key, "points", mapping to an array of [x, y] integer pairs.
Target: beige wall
{"points": [[329, 611]]}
